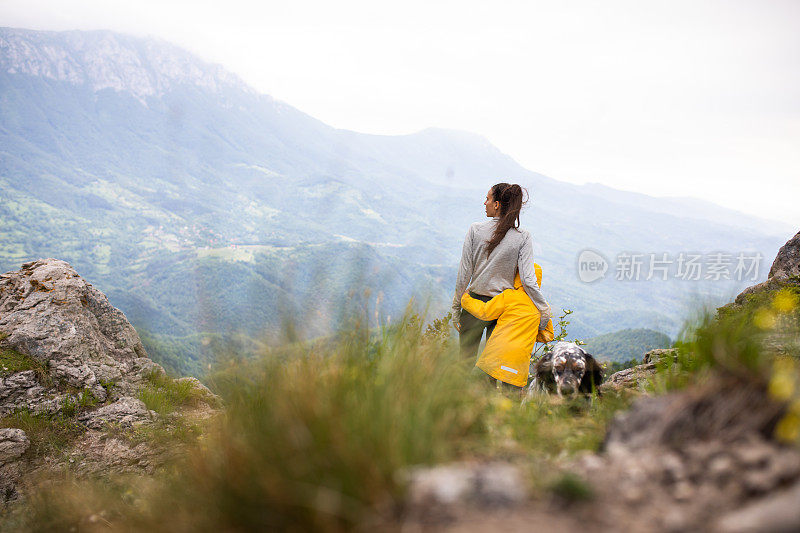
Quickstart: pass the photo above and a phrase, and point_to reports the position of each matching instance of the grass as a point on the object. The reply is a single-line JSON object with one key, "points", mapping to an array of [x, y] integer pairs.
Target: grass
{"points": [[165, 395], [737, 341], [314, 436], [49, 434], [13, 361], [84, 399], [549, 426], [164, 433]]}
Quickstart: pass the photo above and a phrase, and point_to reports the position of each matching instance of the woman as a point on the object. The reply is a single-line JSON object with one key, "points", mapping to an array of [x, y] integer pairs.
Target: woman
{"points": [[494, 251]]}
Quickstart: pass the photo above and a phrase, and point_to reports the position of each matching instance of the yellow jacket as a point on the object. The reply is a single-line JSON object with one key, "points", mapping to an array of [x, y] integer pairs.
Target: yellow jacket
{"points": [[507, 355]]}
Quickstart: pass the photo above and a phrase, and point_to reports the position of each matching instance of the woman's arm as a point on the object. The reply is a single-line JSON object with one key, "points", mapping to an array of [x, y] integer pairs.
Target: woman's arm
{"points": [[527, 275], [465, 269]]}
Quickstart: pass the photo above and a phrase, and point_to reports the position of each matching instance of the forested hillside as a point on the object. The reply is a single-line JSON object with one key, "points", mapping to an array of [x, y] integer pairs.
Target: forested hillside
{"points": [[625, 345]]}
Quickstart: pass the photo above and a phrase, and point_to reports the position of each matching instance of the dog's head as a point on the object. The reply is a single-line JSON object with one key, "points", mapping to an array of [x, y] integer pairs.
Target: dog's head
{"points": [[570, 368]]}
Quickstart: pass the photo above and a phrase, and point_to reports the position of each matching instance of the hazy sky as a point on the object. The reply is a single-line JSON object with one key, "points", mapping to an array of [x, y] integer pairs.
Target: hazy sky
{"points": [[680, 98]]}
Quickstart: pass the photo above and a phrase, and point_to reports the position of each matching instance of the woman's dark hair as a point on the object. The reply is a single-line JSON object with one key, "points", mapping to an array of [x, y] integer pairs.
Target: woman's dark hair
{"points": [[511, 201]]}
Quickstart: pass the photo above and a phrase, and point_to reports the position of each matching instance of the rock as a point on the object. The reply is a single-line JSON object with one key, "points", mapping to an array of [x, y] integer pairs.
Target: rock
{"points": [[637, 427], [52, 314], [654, 356], [726, 408], [785, 270], [97, 454], [125, 412], [777, 512], [74, 343], [13, 444], [787, 262], [22, 390], [633, 378], [481, 484]]}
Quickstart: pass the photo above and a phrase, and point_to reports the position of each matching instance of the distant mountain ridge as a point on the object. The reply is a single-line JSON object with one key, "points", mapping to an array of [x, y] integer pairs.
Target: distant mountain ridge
{"points": [[106, 60], [199, 206]]}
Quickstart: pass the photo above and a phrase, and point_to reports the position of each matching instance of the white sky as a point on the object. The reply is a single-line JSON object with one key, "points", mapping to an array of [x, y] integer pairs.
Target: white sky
{"points": [[674, 98]]}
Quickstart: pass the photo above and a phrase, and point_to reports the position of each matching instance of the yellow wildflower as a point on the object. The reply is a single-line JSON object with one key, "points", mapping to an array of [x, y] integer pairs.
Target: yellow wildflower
{"points": [[788, 428], [501, 403], [783, 382], [505, 404], [785, 301], [764, 319]]}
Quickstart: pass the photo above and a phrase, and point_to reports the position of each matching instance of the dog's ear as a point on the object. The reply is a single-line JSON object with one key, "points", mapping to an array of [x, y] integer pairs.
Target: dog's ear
{"points": [[593, 376], [591, 363], [543, 371], [545, 364]]}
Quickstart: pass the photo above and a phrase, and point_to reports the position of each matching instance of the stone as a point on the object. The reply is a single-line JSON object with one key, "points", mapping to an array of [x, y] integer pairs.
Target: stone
{"points": [[97, 454], [753, 453], [13, 443], [785, 270], [776, 512], [125, 413], [721, 468], [634, 378], [787, 262], [22, 390], [636, 428], [654, 356], [494, 483], [50, 313]]}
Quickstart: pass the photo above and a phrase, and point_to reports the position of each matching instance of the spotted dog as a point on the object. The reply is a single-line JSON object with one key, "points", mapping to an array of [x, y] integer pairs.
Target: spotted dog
{"points": [[566, 369]]}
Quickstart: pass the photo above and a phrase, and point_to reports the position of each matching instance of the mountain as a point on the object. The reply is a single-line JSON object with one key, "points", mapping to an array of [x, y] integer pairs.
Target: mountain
{"points": [[624, 345], [204, 209]]}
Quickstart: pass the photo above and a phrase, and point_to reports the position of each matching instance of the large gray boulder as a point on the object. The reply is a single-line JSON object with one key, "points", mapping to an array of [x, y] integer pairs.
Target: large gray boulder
{"points": [[785, 270], [50, 313]]}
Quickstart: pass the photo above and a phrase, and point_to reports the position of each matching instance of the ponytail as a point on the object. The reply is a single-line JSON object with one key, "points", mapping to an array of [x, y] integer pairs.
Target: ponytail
{"points": [[511, 201]]}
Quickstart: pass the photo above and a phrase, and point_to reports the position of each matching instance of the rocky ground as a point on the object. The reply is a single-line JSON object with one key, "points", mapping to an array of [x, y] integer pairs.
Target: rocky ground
{"points": [[72, 369]]}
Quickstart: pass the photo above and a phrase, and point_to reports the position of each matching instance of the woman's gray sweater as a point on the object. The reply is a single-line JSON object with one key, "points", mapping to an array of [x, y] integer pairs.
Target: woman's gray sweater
{"points": [[491, 275]]}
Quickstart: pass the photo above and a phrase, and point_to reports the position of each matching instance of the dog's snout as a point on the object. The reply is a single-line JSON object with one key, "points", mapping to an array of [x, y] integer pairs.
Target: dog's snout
{"points": [[568, 386]]}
